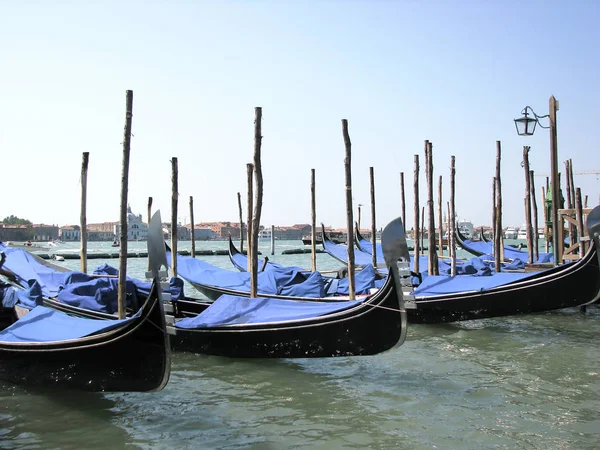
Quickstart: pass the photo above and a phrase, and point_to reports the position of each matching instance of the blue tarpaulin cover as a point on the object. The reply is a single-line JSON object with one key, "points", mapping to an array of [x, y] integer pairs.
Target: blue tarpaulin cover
{"points": [[43, 324], [240, 261], [442, 284], [234, 310], [26, 268], [29, 297], [275, 281], [483, 265], [73, 287], [487, 248]]}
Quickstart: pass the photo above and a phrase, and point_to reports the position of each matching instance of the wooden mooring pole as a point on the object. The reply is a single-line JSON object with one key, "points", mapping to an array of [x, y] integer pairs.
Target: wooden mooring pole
{"points": [[174, 197], [440, 218], [239, 197], [149, 218], [499, 202], [536, 236], [528, 226], [417, 234], [313, 221], [432, 252], [497, 232], [349, 217], [192, 230], [451, 217], [250, 206], [122, 285], [272, 239], [402, 200], [373, 223], [258, 197], [83, 218]]}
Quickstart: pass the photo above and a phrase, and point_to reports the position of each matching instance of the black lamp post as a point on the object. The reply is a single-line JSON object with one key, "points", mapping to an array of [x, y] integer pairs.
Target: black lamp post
{"points": [[525, 127]]}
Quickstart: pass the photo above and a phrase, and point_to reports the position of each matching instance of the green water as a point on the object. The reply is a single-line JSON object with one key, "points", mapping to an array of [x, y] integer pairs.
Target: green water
{"points": [[526, 382]]}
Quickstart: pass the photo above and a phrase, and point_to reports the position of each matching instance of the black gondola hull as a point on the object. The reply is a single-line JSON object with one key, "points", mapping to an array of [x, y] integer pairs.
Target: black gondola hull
{"points": [[367, 329], [561, 287], [135, 357]]}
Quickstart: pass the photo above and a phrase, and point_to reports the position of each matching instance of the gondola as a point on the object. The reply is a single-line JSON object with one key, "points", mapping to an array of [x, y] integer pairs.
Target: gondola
{"points": [[240, 261], [271, 327], [466, 297], [278, 281], [364, 245], [484, 247], [278, 328], [49, 348]]}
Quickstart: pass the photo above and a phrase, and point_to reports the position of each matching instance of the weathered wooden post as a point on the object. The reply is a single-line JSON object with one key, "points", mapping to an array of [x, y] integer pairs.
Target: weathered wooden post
{"points": [[451, 218], [440, 218], [239, 196], [499, 202], [122, 285], [258, 180], [497, 233], [250, 205], [417, 235], [174, 198], [581, 232], [192, 230], [349, 218], [536, 236], [402, 200], [433, 258], [149, 218], [573, 236], [556, 247], [313, 221], [149, 210], [83, 217], [373, 224], [272, 239], [423, 231], [529, 235], [569, 203], [546, 219]]}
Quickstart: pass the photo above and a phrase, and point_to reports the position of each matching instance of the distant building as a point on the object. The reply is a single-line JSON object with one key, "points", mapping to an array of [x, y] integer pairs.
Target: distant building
{"points": [[70, 233], [16, 232], [105, 231], [137, 230], [222, 230], [201, 233], [42, 232]]}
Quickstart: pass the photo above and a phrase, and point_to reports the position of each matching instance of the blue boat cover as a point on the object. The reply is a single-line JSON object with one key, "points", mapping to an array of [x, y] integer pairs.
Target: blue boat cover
{"points": [[487, 248], [26, 267], [340, 252], [367, 247], [73, 287], [475, 266], [364, 281], [240, 262], [441, 284], [43, 324], [281, 280], [29, 297], [233, 310]]}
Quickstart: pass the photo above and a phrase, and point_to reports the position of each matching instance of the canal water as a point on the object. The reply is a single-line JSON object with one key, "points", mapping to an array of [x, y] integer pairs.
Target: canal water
{"points": [[526, 382]]}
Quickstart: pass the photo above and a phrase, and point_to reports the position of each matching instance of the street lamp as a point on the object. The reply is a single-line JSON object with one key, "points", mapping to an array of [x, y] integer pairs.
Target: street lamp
{"points": [[525, 127]]}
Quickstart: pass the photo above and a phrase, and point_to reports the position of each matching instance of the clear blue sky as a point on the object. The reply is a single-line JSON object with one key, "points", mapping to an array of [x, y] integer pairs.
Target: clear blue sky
{"points": [[454, 72]]}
